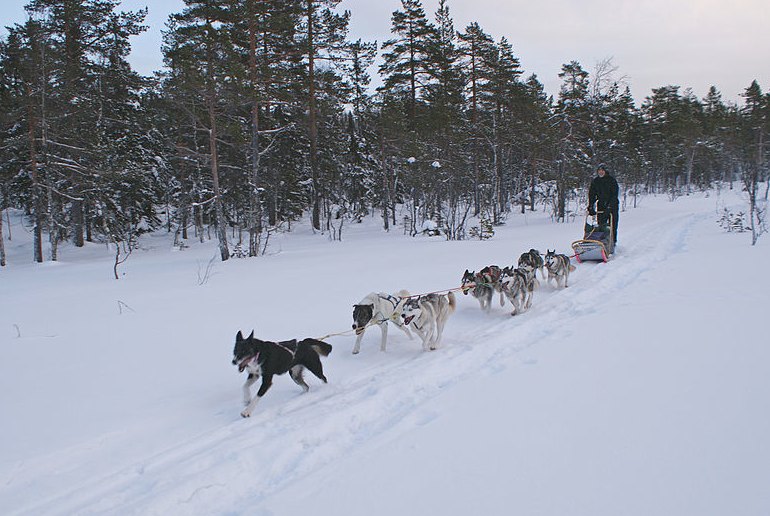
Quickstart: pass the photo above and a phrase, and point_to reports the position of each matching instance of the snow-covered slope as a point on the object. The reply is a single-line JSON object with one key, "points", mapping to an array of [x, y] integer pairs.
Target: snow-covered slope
{"points": [[641, 389]]}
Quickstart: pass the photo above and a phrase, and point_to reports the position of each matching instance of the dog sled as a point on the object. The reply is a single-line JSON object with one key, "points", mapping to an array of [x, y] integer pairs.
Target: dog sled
{"points": [[598, 241]]}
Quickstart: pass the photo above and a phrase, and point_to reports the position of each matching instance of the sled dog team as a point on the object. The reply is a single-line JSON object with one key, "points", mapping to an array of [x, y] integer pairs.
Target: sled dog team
{"points": [[425, 314]]}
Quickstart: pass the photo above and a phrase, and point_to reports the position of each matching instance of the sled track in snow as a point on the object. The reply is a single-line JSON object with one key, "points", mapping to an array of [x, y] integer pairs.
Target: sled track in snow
{"points": [[237, 463]]}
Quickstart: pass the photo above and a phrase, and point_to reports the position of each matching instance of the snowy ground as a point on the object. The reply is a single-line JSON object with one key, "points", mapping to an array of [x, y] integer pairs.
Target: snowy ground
{"points": [[642, 389]]}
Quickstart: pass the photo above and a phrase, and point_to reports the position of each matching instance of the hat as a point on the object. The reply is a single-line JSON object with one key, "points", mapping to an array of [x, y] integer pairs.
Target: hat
{"points": [[601, 166]]}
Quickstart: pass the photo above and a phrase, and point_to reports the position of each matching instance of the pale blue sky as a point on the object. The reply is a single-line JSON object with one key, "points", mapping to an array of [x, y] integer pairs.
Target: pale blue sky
{"points": [[690, 43]]}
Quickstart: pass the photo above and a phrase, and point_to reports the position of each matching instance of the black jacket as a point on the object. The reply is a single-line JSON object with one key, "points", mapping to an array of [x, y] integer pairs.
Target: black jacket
{"points": [[603, 193]]}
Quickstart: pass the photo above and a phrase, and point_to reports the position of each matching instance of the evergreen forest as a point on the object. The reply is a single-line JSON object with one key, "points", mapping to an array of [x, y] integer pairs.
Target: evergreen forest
{"points": [[264, 115]]}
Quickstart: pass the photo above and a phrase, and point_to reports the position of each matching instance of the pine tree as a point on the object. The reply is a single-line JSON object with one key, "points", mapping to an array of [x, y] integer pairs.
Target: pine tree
{"points": [[70, 54], [572, 111], [22, 86], [265, 36], [445, 117], [198, 48], [505, 101], [405, 67], [755, 130], [324, 34]]}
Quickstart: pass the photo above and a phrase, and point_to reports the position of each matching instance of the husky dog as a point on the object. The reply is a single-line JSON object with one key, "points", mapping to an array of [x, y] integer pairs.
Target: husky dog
{"points": [[428, 314], [267, 359], [378, 308], [532, 260], [482, 285], [517, 285], [559, 267]]}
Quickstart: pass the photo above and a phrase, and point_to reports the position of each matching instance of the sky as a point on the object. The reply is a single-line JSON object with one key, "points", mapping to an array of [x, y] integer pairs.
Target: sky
{"points": [[654, 43]]}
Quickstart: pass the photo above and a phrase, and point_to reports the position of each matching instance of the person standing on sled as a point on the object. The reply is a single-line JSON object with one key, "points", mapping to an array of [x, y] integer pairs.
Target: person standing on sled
{"points": [[603, 199]]}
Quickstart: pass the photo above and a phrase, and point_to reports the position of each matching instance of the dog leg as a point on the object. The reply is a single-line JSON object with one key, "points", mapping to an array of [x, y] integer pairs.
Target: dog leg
{"points": [[515, 304], [433, 342], [313, 364], [427, 342], [267, 381], [439, 332], [384, 330], [357, 346], [247, 387], [296, 375]]}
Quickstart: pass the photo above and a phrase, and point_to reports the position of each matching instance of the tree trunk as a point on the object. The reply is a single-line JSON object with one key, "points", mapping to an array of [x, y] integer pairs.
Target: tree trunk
{"points": [[255, 208], [690, 165], [754, 211], [2, 242], [221, 229], [532, 184], [37, 231], [53, 229], [77, 222], [313, 129], [386, 196], [218, 211]]}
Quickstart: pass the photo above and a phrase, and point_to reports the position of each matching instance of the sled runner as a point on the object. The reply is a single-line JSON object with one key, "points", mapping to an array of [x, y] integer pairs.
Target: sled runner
{"points": [[597, 243]]}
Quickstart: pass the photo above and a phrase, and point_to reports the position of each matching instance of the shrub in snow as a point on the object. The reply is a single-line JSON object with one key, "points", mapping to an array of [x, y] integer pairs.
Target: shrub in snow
{"points": [[484, 231], [730, 221]]}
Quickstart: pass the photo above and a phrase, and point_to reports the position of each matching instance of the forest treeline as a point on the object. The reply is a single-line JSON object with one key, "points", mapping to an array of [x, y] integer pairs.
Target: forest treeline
{"points": [[264, 112]]}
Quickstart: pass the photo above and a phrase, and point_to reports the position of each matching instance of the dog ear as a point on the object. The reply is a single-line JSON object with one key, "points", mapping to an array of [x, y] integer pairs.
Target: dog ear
{"points": [[239, 336], [252, 334]]}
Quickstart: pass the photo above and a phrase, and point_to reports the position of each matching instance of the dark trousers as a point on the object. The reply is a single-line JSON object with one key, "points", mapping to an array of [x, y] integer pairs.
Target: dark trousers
{"points": [[603, 218]]}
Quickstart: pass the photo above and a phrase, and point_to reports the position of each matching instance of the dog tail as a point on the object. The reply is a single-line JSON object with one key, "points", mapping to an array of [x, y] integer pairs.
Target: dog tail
{"points": [[452, 300], [320, 347]]}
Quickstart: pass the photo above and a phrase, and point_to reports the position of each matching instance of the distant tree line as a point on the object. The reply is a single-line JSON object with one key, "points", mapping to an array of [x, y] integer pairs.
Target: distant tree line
{"points": [[264, 112]]}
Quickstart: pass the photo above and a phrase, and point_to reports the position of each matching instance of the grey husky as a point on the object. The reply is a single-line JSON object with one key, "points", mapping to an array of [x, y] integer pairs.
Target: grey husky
{"points": [[482, 285], [428, 315], [559, 267], [378, 308], [518, 286], [532, 259]]}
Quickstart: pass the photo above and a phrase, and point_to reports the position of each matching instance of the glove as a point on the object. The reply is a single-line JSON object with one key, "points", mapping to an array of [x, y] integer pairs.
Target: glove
{"points": [[591, 211]]}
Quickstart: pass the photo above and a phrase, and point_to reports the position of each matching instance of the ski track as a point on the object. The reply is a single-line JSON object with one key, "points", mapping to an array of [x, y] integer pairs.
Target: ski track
{"points": [[236, 466]]}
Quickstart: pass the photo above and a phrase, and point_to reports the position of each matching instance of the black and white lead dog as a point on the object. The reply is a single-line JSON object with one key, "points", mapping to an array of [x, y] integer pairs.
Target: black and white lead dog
{"points": [[267, 359], [378, 308]]}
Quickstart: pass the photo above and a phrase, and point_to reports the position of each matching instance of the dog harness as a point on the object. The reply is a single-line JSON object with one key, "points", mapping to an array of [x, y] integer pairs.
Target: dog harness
{"points": [[393, 300]]}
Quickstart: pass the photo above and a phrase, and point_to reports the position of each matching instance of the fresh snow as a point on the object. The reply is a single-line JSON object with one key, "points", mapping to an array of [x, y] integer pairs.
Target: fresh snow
{"points": [[642, 389]]}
